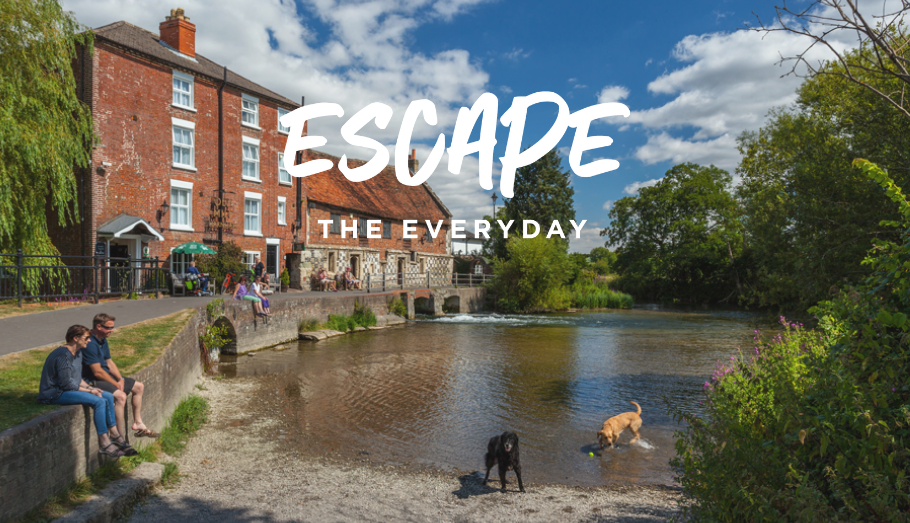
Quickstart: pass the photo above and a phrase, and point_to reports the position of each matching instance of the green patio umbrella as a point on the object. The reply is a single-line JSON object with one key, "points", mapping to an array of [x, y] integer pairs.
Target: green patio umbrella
{"points": [[194, 248]]}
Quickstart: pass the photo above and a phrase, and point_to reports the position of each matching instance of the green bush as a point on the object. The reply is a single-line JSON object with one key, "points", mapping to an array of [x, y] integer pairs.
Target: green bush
{"points": [[228, 259], [363, 315], [589, 292], [308, 325], [533, 276], [397, 307], [814, 426], [340, 322], [285, 277]]}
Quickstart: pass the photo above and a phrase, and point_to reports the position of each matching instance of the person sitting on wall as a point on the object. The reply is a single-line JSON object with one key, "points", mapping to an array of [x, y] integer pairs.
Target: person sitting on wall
{"points": [[256, 289], [242, 292], [100, 371], [62, 384], [340, 282], [328, 284], [201, 280], [350, 280]]}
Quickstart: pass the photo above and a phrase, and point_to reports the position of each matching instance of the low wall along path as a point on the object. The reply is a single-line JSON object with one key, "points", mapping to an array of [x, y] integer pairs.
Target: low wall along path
{"points": [[45, 455]]}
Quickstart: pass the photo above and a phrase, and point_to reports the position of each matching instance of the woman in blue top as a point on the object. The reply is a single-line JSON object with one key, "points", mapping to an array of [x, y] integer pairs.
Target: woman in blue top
{"points": [[61, 384]]}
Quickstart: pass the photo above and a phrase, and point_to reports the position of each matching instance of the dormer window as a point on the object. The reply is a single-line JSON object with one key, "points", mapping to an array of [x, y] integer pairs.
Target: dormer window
{"points": [[183, 90]]}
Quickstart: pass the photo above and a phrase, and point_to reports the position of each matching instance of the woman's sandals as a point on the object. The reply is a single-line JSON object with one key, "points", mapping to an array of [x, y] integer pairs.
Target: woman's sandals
{"points": [[121, 443]]}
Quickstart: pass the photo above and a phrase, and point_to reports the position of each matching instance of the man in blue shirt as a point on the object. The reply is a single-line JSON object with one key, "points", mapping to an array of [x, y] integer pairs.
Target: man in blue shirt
{"points": [[203, 281], [100, 369]]}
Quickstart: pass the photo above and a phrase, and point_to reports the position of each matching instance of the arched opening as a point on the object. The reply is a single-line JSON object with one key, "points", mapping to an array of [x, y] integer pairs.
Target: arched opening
{"points": [[229, 334], [452, 304], [422, 305]]}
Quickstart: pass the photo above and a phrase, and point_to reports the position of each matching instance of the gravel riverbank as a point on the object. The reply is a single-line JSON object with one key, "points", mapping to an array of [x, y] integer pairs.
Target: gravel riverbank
{"points": [[238, 467]]}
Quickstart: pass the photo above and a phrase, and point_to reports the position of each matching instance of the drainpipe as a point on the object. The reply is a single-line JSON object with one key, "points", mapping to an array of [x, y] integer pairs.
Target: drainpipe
{"points": [[221, 153], [300, 197]]}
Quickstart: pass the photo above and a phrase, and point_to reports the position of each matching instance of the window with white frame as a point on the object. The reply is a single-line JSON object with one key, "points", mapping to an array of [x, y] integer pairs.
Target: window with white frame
{"points": [[183, 90], [281, 128], [249, 259], [181, 205], [283, 175], [249, 114], [183, 142], [180, 261], [282, 210], [252, 213], [478, 268], [250, 159]]}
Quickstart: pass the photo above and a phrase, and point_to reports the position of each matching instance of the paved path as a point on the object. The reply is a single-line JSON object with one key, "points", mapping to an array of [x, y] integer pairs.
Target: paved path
{"points": [[39, 329]]}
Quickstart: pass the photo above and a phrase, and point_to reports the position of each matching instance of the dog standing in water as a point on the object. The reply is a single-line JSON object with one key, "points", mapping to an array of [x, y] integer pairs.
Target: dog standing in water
{"points": [[614, 426], [503, 450]]}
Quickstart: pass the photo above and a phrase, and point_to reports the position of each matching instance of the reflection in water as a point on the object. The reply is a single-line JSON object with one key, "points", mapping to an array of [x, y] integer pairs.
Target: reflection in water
{"points": [[433, 392]]}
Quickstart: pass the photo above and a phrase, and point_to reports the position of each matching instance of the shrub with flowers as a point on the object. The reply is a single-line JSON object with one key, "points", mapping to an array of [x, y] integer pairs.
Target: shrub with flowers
{"points": [[814, 424]]}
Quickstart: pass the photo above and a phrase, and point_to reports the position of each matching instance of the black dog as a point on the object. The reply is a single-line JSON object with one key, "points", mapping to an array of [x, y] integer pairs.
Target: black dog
{"points": [[503, 450]]}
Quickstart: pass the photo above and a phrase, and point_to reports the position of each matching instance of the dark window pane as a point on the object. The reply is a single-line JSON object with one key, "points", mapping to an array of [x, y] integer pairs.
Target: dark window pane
{"points": [[387, 230], [336, 223]]}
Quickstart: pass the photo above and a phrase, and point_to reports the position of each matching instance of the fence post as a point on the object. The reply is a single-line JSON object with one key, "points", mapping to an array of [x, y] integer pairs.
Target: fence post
{"points": [[368, 283], [96, 263], [470, 279], [19, 275]]}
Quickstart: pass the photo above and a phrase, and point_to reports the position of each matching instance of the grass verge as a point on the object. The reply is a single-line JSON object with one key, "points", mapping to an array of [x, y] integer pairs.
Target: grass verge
{"points": [[134, 347], [187, 418]]}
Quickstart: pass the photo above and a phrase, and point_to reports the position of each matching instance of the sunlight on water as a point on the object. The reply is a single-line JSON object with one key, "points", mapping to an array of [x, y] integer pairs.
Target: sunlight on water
{"points": [[434, 391]]}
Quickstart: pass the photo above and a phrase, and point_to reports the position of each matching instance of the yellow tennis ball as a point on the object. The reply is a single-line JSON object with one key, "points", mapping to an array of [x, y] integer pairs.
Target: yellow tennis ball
{"points": [[591, 454]]}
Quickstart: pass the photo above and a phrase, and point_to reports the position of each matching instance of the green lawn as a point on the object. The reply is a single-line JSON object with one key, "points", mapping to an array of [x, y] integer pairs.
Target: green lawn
{"points": [[133, 348]]}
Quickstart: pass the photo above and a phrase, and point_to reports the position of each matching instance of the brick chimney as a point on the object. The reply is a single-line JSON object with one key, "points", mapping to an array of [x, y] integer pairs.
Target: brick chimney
{"points": [[177, 32], [413, 164]]}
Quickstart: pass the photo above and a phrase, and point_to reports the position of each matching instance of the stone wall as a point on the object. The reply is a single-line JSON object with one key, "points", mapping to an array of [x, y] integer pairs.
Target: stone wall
{"points": [[47, 454], [44, 456]]}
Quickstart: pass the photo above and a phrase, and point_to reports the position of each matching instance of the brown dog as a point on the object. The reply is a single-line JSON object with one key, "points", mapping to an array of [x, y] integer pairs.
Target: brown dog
{"points": [[614, 426]]}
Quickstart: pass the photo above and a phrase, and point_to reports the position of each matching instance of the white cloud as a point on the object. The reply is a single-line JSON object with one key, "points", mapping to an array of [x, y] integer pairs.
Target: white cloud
{"points": [[612, 93], [506, 89], [363, 56], [633, 188], [515, 54], [607, 205], [729, 84], [590, 237]]}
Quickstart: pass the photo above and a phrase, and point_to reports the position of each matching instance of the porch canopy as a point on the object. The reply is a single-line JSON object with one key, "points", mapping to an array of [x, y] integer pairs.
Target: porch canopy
{"points": [[133, 227]]}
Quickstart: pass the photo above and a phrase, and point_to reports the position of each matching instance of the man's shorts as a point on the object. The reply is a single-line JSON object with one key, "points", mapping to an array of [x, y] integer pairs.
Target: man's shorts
{"points": [[110, 387]]}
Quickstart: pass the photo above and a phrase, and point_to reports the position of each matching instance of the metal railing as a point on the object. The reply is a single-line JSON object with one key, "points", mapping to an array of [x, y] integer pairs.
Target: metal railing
{"points": [[422, 280], [44, 277]]}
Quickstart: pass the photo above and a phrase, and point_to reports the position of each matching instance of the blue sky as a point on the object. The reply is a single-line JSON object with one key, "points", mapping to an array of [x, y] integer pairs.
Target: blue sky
{"points": [[693, 79]]}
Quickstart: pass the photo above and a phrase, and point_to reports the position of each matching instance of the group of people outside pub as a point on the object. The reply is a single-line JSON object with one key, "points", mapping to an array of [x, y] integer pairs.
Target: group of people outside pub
{"points": [[345, 280], [82, 372]]}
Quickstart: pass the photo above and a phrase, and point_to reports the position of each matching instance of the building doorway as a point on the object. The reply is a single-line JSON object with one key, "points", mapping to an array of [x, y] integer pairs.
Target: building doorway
{"points": [[271, 261], [400, 271], [120, 268], [355, 266]]}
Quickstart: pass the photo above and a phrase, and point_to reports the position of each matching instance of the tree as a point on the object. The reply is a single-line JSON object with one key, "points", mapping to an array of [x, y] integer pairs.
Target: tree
{"points": [[680, 239], [542, 194], [810, 215], [882, 38], [602, 260], [45, 131], [532, 275]]}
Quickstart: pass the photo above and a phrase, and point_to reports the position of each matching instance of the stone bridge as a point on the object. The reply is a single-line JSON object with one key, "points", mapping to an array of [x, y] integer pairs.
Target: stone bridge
{"points": [[248, 332]]}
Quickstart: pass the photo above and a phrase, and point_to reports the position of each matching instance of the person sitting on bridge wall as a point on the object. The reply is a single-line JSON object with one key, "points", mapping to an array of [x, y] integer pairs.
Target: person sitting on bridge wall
{"points": [[62, 384], [100, 370]]}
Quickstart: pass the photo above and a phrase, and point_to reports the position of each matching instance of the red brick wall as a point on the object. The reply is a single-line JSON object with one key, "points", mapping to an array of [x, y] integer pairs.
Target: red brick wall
{"points": [[179, 34], [132, 112]]}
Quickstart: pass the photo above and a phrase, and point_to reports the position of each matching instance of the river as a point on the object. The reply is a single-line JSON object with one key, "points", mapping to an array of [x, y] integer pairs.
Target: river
{"points": [[432, 392]]}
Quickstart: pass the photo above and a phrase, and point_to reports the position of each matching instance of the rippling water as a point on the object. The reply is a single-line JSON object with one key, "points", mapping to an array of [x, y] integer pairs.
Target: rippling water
{"points": [[434, 391]]}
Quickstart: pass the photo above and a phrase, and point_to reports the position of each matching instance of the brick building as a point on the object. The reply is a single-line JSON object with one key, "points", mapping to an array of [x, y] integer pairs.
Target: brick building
{"points": [[187, 150], [332, 197]]}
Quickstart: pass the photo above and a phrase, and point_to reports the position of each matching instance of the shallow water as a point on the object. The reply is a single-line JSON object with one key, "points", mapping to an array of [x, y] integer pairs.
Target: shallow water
{"points": [[434, 391]]}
